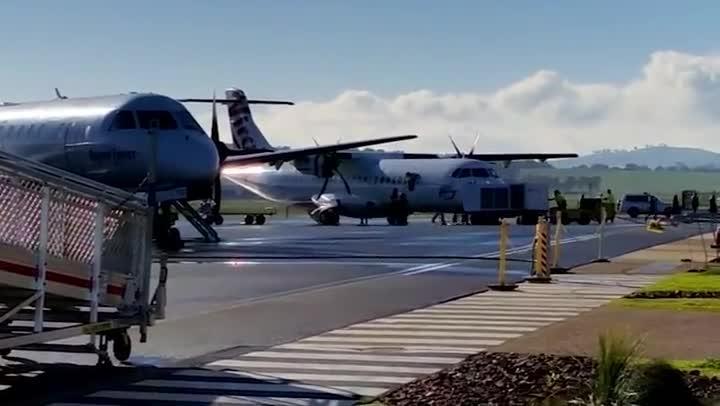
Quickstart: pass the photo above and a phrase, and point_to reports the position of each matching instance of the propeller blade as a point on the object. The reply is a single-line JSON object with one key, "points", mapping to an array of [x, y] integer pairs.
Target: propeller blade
{"points": [[217, 195], [347, 186], [472, 150], [214, 132], [457, 150], [316, 143]]}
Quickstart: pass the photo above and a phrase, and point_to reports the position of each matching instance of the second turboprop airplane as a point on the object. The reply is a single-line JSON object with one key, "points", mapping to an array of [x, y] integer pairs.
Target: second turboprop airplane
{"points": [[108, 139], [360, 184]]}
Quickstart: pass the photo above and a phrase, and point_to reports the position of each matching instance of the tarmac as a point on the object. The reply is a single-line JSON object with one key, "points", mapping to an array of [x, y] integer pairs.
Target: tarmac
{"points": [[250, 295]]}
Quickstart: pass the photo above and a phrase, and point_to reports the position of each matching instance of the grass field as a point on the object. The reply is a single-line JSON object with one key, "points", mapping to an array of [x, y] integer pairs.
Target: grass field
{"points": [[705, 305], [689, 282]]}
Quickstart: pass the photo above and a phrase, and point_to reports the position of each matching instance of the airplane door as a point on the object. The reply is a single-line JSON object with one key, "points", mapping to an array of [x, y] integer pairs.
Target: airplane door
{"points": [[79, 149], [470, 194]]}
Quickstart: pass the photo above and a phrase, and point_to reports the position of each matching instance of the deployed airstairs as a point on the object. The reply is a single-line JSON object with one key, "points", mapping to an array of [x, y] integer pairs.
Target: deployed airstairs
{"points": [[75, 259]]}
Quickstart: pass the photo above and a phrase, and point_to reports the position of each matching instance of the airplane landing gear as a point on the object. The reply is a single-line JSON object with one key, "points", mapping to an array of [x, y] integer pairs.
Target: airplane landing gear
{"points": [[167, 236]]}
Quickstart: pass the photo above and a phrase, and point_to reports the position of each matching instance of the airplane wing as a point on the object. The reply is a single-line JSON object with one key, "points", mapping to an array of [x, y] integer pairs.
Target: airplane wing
{"points": [[515, 157], [495, 157], [228, 101], [238, 159]]}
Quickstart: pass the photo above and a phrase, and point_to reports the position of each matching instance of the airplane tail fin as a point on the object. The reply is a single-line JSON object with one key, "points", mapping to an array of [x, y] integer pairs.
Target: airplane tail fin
{"points": [[246, 134]]}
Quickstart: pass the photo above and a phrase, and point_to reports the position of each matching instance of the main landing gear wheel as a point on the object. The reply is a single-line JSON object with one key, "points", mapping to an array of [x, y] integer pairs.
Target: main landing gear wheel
{"points": [[329, 218], [260, 219], [249, 219], [214, 219], [175, 242], [171, 240]]}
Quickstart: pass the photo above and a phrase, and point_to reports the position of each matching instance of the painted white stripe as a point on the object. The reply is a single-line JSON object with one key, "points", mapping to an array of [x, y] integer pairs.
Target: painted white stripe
{"points": [[351, 357], [418, 334], [433, 268], [364, 348], [278, 365], [567, 288], [274, 388], [521, 300], [531, 296], [428, 341], [217, 399], [479, 317], [299, 376], [425, 327], [496, 312], [581, 290], [214, 373], [450, 323], [524, 306], [332, 377]]}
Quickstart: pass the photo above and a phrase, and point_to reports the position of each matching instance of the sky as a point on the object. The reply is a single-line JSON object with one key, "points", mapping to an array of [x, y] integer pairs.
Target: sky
{"points": [[526, 76]]}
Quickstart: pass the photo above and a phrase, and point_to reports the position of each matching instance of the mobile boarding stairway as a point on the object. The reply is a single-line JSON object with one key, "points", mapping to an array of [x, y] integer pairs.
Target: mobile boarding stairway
{"points": [[75, 260]]}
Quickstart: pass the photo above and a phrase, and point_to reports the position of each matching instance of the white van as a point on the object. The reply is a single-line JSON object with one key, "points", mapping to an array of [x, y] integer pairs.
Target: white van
{"points": [[636, 204]]}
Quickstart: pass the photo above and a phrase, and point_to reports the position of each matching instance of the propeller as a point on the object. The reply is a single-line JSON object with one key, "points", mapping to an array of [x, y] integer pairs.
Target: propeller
{"points": [[215, 137], [459, 154], [329, 167], [59, 95]]}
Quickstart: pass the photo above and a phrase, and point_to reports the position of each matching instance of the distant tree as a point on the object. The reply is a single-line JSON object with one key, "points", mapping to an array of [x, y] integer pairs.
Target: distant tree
{"points": [[599, 166]]}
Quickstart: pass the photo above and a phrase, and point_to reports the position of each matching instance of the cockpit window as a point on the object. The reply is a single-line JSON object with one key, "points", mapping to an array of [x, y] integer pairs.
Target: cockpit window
{"points": [[161, 120], [480, 173], [474, 173], [124, 120], [187, 121]]}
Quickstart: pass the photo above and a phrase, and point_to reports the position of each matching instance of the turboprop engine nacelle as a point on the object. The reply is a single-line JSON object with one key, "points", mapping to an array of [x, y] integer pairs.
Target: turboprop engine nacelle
{"points": [[314, 165], [331, 206]]}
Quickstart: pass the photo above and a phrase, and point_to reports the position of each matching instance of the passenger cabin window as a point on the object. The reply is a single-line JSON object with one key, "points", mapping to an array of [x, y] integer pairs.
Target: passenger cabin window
{"points": [[162, 119], [124, 120]]}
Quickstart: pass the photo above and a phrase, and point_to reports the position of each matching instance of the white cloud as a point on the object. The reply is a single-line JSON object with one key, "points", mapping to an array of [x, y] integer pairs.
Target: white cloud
{"points": [[675, 100]]}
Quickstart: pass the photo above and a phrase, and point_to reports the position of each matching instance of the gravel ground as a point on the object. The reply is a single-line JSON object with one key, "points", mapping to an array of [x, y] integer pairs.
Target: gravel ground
{"points": [[514, 379]]}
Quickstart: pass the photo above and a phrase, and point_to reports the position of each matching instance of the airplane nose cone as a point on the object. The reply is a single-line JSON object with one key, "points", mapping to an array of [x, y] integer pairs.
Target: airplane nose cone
{"points": [[191, 159]]}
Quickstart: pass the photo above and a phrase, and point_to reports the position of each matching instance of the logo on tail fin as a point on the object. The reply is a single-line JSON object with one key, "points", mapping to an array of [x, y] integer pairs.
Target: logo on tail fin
{"points": [[246, 134]]}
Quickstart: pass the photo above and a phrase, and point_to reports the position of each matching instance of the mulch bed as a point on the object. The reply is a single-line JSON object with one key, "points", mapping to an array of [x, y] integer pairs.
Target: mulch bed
{"points": [[515, 379], [675, 294]]}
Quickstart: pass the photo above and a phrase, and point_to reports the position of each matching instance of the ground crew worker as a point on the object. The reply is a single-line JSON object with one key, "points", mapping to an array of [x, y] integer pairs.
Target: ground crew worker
{"points": [[561, 204], [676, 209], [695, 203], [653, 208], [713, 204], [403, 209], [609, 203]]}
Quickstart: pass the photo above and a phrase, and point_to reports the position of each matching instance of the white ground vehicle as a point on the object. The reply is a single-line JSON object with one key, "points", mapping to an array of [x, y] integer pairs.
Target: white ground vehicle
{"points": [[487, 204], [75, 258], [637, 204]]}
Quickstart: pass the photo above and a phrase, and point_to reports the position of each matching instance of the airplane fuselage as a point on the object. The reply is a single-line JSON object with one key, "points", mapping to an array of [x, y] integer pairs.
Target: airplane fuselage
{"points": [[107, 139], [438, 184]]}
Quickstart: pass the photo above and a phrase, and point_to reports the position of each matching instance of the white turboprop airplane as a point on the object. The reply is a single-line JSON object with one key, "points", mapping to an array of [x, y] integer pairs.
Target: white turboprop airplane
{"points": [[360, 184], [107, 139]]}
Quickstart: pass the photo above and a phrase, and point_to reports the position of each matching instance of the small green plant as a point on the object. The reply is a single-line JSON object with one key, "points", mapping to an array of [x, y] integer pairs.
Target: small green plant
{"points": [[614, 371]]}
